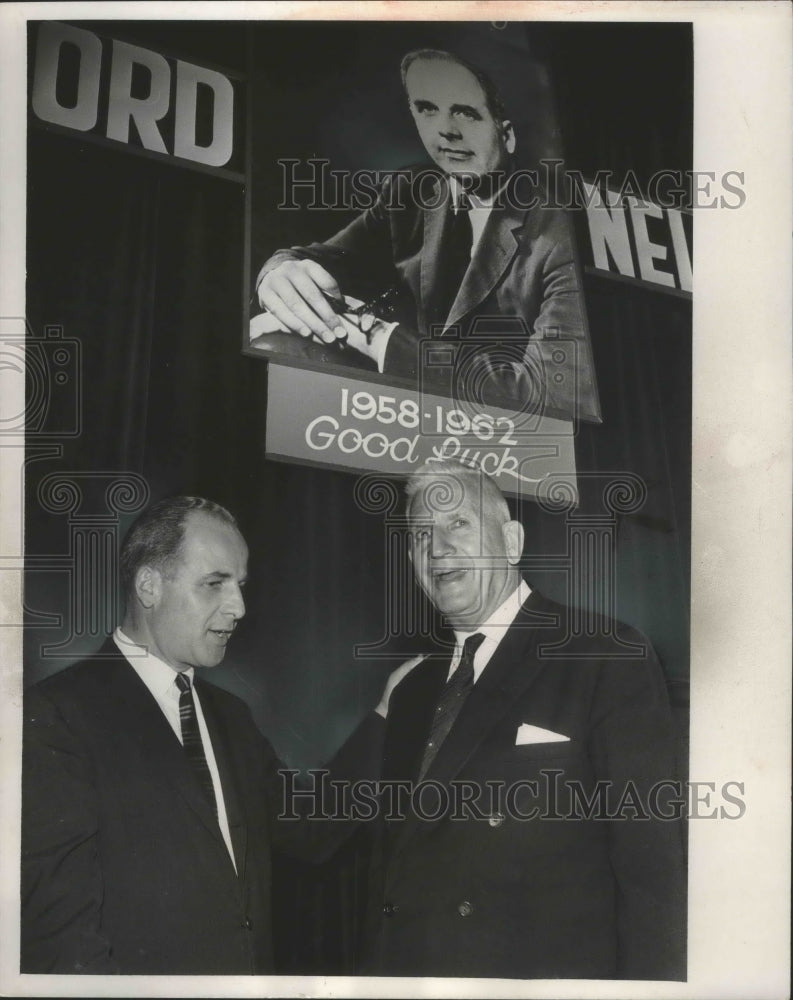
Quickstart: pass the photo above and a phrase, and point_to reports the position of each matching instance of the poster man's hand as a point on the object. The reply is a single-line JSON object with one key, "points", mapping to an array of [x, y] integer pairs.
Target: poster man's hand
{"points": [[296, 293]]}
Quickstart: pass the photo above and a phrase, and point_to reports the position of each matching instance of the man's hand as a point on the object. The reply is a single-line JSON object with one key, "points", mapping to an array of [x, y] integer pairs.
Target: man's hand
{"points": [[394, 679], [294, 297], [295, 293]]}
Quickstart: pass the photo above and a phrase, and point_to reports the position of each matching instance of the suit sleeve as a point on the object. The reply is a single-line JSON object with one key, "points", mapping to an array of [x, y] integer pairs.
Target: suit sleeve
{"points": [[633, 748], [360, 256], [61, 875], [513, 357], [311, 821]]}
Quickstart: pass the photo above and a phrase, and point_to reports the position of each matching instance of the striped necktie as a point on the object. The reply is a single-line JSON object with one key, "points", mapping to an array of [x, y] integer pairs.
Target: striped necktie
{"points": [[191, 738], [451, 700]]}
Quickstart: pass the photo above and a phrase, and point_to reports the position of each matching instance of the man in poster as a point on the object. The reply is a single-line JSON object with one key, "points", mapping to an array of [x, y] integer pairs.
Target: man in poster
{"points": [[469, 252]]}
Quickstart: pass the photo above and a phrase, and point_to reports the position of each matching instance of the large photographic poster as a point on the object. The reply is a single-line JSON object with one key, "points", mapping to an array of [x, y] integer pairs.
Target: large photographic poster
{"points": [[302, 268], [356, 211]]}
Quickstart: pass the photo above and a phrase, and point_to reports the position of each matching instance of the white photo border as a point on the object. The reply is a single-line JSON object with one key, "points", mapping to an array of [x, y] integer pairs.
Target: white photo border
{"points": [[739, 899]]}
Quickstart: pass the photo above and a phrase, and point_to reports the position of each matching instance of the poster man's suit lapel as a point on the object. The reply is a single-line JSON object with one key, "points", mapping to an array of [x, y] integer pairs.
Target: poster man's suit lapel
{"points": [[436, 229], [492, 257]]}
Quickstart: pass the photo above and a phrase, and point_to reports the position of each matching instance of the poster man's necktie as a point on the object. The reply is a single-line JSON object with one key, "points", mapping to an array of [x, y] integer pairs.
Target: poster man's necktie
{"points": [[191, 738], [455, 257], [451, 700]]}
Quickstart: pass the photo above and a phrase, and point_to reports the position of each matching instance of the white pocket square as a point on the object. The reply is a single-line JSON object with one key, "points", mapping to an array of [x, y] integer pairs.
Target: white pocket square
{"points": [[536, 734]]}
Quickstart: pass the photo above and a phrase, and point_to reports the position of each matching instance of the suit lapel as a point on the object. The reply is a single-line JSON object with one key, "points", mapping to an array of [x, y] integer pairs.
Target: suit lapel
{"points": [[493, 255], [224, 760], [157, 743], [511, 671], [411, 718], [436, 226]]}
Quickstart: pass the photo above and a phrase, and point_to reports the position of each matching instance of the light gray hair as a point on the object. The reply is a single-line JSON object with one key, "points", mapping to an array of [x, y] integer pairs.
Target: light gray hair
{"points": [[454, 476]]}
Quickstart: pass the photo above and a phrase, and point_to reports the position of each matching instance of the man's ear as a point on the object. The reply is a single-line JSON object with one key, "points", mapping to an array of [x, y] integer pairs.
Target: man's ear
{"points": [[148, 586], [508, 134], [513, 535]]}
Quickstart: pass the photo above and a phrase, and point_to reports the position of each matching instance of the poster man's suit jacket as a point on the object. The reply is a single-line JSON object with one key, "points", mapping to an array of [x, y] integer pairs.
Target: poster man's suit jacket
{"points": [[124, 867], [546, 896], [517, 324]]}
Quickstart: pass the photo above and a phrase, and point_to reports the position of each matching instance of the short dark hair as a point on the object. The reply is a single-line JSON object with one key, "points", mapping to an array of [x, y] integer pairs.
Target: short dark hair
{"points": [[156, 536], [493, 99]]}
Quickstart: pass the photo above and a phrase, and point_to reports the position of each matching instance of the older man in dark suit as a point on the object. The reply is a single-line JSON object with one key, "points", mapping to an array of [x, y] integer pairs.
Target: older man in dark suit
{"points": [[541, 845], [467, 251], [149, 796]]}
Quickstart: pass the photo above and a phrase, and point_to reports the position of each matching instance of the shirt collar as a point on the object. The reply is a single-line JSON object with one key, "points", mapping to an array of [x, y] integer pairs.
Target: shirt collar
{"points": [[476, 202], [154, 672], [497, 624]]}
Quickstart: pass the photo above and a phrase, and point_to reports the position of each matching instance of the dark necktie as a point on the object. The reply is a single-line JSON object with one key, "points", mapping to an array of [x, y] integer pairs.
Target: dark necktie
{"points": [[451, 700], [191, 738], [455, 256]]}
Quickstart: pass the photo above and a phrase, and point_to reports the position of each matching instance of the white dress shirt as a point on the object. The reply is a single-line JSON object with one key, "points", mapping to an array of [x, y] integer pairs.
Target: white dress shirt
{"points": [[494, 630], [160, 679], [478, 213]]}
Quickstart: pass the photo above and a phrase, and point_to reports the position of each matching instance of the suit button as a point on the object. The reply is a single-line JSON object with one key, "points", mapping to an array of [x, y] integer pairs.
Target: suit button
{"points": [[390, 908], [496, 819], [247, 924], [465, 909]]}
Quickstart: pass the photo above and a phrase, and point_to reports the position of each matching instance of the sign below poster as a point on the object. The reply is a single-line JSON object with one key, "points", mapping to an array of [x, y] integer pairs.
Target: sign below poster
{"points": [[359, 426]]}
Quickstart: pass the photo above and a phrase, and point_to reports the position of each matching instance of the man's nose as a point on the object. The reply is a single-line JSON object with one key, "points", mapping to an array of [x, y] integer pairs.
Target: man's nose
{"points": [[235, 604], [449, 129], [441, 543]]}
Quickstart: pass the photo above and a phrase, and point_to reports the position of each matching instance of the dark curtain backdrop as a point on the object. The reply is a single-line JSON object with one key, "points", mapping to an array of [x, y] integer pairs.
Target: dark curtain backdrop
{"points": [[141, 263]]}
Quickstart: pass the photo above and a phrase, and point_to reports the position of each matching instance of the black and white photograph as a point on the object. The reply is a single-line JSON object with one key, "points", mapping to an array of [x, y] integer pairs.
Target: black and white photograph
{"points": [[388, 504], [461, 221]]}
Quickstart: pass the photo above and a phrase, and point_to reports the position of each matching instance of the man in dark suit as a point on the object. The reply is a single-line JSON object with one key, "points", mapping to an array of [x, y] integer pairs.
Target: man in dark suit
{"points": [[466, 251], [542, 845], [149, 801]]}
